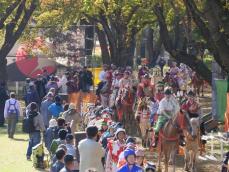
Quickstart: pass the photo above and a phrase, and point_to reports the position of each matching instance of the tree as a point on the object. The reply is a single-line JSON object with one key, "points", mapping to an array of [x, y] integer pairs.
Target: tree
{"points": [[175, 40], [13, 21]]}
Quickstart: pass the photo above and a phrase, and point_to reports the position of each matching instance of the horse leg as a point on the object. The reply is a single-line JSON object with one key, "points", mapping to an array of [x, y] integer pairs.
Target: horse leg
{"points": [[159, 162], [186, 157], [166, 161]]}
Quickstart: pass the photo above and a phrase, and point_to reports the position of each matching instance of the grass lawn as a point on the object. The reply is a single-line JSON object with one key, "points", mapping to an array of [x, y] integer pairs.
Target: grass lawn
{"points": [[12, 156]]}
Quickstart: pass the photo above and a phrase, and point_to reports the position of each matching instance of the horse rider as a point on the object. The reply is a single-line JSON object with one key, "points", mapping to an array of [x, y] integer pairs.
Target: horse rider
{"points": [[168, 107]]}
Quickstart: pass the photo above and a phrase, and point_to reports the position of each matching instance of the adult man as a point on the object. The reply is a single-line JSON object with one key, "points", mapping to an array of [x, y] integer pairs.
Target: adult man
{"points": [[86, 79], [40, 86], [168, 107], [56, 108], [44, 108], [103, 73], [131, 162], [38, 128], [3, 97], [72, 116], [31, 95], [91, 152], [11, 113], [68, 164]]}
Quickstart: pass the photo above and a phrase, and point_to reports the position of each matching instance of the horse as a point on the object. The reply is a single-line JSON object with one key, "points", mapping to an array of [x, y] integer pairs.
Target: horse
{"points": [[143, 113], [197, 83], [169, 138], [124, 106], [192, 145]]}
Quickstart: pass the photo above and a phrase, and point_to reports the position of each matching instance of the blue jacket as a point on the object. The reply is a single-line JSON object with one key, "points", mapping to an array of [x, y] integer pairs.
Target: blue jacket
{"points": [[55, 110], [135, 168]]}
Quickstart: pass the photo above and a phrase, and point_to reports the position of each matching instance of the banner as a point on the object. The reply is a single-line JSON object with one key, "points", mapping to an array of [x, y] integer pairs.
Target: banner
{"points": [[221, 98]]}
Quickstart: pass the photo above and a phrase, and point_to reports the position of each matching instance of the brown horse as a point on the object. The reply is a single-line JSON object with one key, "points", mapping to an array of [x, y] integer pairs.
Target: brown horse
{"points": [[169, 138], [124, 106], [192, 145]]}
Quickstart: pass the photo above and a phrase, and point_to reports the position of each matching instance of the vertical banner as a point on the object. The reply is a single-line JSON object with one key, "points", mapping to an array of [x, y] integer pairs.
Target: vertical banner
{"points": [[221, 98]]}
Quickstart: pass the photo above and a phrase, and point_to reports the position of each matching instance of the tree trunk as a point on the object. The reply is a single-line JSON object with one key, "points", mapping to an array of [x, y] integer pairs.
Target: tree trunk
{"points": [[104, 47], [181, 56]]}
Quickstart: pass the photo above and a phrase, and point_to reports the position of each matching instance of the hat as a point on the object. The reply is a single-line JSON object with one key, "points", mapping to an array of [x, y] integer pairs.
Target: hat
{"points": [[119, 130], [128, 152], [31, 84], [69, 137], [131, 146], [127, 72], [52, 123], [150, 166], [139, 152], [167, 91], [72, 106], [57, 99]]}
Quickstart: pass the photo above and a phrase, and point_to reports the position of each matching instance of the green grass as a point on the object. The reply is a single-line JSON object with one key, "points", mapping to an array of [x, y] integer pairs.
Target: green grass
{"points": [[13, 152]]}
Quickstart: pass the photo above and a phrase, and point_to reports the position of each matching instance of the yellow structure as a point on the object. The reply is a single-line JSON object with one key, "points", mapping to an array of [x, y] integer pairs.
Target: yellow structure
{"points": [[96, 72]]}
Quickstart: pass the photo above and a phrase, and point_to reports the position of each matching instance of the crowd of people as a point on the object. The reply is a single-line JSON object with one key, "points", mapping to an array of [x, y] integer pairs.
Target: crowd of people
{"points": [[108, 147]]}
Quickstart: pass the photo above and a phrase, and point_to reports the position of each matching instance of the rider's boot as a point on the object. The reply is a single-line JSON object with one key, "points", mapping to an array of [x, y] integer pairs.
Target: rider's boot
{"points": [[155, 140]]}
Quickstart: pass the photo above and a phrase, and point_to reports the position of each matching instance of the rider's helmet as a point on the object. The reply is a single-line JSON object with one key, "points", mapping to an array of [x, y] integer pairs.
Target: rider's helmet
{"points": [[139, 153], [168, 91], [150, 167], [128, 152]]}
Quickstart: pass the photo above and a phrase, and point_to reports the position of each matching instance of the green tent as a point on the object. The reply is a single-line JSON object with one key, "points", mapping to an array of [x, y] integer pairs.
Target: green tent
{"points": [[221, 98]]}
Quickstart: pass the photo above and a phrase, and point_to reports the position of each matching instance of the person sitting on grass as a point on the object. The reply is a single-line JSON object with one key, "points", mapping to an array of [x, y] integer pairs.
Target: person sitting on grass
{"points": [[61, 140], [68, 164], [59, 164]]}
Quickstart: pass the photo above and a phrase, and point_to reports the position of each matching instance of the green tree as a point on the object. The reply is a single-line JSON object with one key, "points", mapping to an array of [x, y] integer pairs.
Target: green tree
{"points": [[13, 20]]}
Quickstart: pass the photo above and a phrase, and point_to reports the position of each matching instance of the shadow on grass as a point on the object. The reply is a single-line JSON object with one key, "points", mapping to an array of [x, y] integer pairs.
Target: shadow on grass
{"points": [[20, 140]]}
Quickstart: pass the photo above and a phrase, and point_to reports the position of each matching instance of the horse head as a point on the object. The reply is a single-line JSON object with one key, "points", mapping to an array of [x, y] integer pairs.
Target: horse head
{"points": [[182, 122]]}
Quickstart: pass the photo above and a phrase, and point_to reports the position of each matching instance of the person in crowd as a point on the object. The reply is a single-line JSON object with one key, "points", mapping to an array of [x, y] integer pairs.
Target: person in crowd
{"points": [[38, 128], [88, 149], [52, 84], [102, 75], [3, 97], [46, 75], [68, 164], [11, 114], [28, 82], [49, 135], [86, 79], [168, 107], [130, 166], [56, 108], [71, 150], [140, 156], [105, 93], [125, 81], [44, 108], [63, 82], [56, 142], [107, 135], [31, 95], [61, 124], [72, 116], [59, 164], [114, 148], [40, 86]]}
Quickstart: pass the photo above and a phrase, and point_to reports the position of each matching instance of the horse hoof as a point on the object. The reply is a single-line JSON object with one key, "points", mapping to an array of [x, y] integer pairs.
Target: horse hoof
{"points": [[170, 162], [186, 169]]}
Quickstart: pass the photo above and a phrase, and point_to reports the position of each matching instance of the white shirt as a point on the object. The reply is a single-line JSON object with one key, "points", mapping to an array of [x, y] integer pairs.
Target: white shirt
{"points": [[91, 153], [170, 104], [7, 104]]}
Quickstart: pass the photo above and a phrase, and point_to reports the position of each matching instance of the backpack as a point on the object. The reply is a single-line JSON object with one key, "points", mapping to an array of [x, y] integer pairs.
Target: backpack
{"points": [[28, 125], [12, 111]]}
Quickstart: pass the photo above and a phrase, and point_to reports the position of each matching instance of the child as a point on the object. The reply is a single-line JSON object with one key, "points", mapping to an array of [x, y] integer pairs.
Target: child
{"points": [[59, 164]]}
